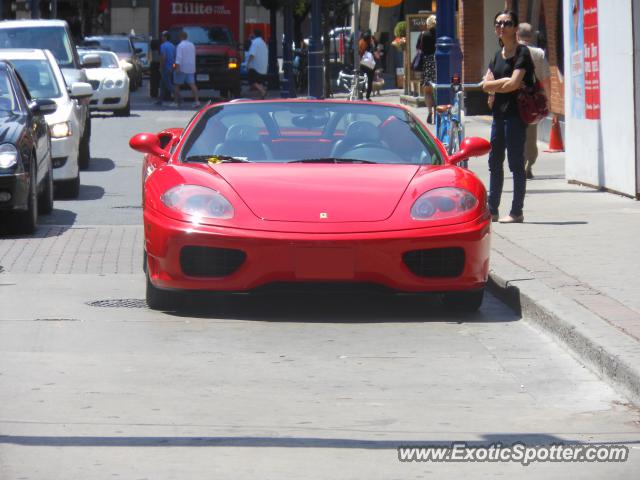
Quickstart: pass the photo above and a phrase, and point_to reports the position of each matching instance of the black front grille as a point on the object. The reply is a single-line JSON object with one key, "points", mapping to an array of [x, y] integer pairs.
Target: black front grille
{"points": [[209, 62], [210, 262], [435, 262], [111, 100], [94, 84]]}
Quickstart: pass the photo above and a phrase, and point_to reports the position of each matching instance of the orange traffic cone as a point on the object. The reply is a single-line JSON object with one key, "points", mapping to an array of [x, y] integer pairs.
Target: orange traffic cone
{"points": [[555, 139]]}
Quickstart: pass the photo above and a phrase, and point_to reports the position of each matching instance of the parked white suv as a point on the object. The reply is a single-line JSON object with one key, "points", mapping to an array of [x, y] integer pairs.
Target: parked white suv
{"points": [[43, 78], [54, 35]]}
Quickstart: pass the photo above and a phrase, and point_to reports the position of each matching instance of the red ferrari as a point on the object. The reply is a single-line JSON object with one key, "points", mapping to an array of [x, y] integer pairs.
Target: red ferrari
{"points": [[303, 193]]}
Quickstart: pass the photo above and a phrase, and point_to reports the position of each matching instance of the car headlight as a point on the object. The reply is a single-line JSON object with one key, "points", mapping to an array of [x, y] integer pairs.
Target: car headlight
{"points": [[8, 155], [198, 202], [441, 203], [108, 83], [60, 130], [119, 83]]}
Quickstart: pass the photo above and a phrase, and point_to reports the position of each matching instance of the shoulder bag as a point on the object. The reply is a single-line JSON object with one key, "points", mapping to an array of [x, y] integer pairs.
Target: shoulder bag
{"points": [[532, 103]]}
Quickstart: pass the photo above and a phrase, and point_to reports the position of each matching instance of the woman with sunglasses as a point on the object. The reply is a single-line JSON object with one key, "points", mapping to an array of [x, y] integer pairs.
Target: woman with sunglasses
{"points": [[509, 68]]}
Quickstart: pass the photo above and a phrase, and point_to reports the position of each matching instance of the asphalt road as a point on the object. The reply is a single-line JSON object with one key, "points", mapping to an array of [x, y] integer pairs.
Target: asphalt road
{"points": [[95, 386]]}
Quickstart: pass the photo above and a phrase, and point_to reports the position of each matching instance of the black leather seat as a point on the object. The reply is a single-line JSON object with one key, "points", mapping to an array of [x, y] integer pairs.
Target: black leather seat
{"points": [[357, 133], [244, 141]]}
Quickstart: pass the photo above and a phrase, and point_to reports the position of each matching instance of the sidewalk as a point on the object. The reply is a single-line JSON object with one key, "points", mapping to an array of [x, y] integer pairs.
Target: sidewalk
{"points": [[573, 266]]}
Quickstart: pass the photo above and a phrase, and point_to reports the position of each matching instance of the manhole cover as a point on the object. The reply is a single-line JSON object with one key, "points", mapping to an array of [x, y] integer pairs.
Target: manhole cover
{"points": [[119, 303]]}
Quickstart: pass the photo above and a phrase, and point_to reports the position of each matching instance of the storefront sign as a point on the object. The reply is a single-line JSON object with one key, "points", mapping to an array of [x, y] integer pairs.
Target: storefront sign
{"points": [[200, 12]]}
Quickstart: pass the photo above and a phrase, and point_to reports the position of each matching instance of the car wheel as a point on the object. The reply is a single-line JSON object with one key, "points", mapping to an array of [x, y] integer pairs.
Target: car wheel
{"points": [[463, 301], [45, 200], [68, 188], [84, 155], [124, 111], [27, 221], [158, 299]]}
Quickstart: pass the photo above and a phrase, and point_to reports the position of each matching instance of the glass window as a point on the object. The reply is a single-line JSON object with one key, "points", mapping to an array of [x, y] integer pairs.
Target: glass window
{"points": [[119, 45], [52, 38], [108, 60], [318, 131], [202, 35], [7, 98], [38, 77], [349, 118]]}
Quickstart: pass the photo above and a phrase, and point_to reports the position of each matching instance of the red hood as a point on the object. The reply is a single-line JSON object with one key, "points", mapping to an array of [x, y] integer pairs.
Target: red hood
{"points": [[303, 192]]}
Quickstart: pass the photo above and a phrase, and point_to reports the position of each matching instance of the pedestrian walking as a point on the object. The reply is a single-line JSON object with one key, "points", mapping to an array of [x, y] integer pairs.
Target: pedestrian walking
{"points": [[258, 63], [428, 48], [367, 61], [525, 36], [185, 69], [167, 59], [509, 68]]}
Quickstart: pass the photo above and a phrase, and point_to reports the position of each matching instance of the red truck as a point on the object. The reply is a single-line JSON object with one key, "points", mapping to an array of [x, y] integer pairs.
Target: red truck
{"points": [[212, 26]]}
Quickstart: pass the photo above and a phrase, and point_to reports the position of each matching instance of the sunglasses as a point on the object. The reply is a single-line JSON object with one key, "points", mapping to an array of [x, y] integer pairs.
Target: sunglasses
{"points": [[504, 23]]}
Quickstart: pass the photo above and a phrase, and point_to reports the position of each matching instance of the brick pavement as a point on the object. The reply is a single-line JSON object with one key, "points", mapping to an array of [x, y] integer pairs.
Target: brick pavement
{"points": [[81, 249]]}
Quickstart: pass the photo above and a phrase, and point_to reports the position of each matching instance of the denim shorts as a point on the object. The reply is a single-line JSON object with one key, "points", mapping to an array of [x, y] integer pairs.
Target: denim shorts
{"points": [[180, 78]]}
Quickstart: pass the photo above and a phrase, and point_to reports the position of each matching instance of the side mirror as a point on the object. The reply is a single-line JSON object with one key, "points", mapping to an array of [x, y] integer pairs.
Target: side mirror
{"points": [[43, 106], [80, 90], [470, 147], [148, 143], [126, 66], [91, 60]]}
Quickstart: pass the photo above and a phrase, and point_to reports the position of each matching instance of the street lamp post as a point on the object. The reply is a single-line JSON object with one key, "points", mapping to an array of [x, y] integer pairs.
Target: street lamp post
{"points": [[287, 86], [315, 52], [448, 53]]}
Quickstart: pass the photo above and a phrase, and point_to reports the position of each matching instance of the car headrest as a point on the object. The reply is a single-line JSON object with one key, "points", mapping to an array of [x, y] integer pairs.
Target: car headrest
{"points": [[242, 133], [361, 131]]}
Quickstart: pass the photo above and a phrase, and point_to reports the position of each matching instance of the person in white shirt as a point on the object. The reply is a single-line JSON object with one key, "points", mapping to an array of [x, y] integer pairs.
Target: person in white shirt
{"points": [[258, 63], [185, 69], [541, 66]]}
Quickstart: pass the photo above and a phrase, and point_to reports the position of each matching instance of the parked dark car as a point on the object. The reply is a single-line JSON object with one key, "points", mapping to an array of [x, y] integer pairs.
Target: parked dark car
{"points": [[122, 46], [26, 170]]}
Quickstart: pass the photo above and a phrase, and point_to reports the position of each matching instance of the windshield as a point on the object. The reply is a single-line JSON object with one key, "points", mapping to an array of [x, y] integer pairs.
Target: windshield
{"points": [[144, 46], [311, 131], [120, 45], [109, 60], [202, 35], [7, 98], [52, 38], [38, 77]]}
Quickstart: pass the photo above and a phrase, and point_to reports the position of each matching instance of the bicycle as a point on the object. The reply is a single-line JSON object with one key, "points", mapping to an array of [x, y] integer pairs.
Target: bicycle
{"points": [[355, 92], [450, 129]]}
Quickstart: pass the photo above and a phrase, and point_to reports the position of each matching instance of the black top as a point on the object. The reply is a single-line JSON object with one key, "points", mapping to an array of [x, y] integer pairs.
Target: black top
{"points": [[428, 42], [505, 104]]}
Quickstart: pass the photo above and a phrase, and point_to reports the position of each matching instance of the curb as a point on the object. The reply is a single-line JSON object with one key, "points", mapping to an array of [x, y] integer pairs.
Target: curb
{"points": [[609, 352]]}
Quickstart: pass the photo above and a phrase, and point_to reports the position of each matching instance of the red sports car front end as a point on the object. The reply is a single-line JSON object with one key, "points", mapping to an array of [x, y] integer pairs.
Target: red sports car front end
{"points": [[431, 259], [253, 195]]}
